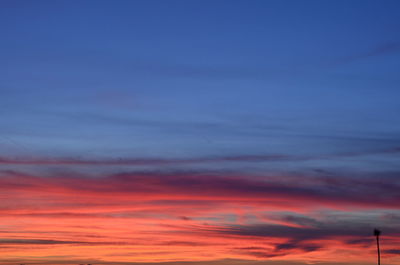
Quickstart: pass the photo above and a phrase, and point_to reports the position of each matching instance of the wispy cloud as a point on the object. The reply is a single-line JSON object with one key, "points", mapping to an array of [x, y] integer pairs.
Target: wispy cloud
{"points": [[185, 214], [210, 159], [37, 242], [337, 191], [379, 50]]}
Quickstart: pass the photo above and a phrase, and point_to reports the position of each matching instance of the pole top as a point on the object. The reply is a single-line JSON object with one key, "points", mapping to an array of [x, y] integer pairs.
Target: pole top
{"points": [[377, 232]]}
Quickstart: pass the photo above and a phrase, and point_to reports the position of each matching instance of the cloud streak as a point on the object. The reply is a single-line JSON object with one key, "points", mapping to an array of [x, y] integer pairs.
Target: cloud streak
{"points": [[380, 50], [176, 161], [314, 191], [127, 215]]}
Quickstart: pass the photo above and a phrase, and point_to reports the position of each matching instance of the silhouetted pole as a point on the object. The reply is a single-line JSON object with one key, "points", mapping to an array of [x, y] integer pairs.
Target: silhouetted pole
{"points": [[377, 233]]}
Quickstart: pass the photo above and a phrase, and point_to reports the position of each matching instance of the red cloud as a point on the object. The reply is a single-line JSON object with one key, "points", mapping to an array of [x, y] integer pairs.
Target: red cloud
{"points": [[184, 216]]}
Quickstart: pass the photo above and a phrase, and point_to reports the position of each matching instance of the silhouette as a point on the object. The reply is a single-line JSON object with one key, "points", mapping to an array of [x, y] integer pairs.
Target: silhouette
{"points": [[377, 233]]}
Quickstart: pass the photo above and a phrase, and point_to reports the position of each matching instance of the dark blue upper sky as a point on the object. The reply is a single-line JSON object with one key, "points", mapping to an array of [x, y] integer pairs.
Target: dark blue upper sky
{"points": [[305, 80]]}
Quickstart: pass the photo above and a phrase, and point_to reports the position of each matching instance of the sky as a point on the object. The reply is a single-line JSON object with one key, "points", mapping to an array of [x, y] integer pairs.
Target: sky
{"points": [[199, 132]]}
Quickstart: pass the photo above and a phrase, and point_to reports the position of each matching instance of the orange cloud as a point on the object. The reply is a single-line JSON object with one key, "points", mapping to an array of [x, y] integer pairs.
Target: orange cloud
{"points": [[147, 217]]}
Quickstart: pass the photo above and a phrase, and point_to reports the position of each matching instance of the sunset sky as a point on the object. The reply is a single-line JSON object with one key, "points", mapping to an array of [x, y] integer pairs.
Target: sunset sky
{"points": [[199, 132]]}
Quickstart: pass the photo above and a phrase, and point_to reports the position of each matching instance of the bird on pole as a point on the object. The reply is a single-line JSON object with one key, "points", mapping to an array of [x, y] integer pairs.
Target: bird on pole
{"points": [[377, 234]]}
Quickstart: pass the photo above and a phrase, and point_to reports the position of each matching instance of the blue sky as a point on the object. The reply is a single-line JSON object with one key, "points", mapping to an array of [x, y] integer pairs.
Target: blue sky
{"points": [[177, 79]]}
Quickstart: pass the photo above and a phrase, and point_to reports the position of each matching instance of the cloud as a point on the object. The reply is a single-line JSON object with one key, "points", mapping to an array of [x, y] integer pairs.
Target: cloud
{"points": [[294, 233], [364, 242], [392, 251], [379, 50], [202, 262], [188, 214], [142, 161], [278, 250], [281, 191], [147, 161], [294, 245], [292, 220], [339, 233], [35, 242]]}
